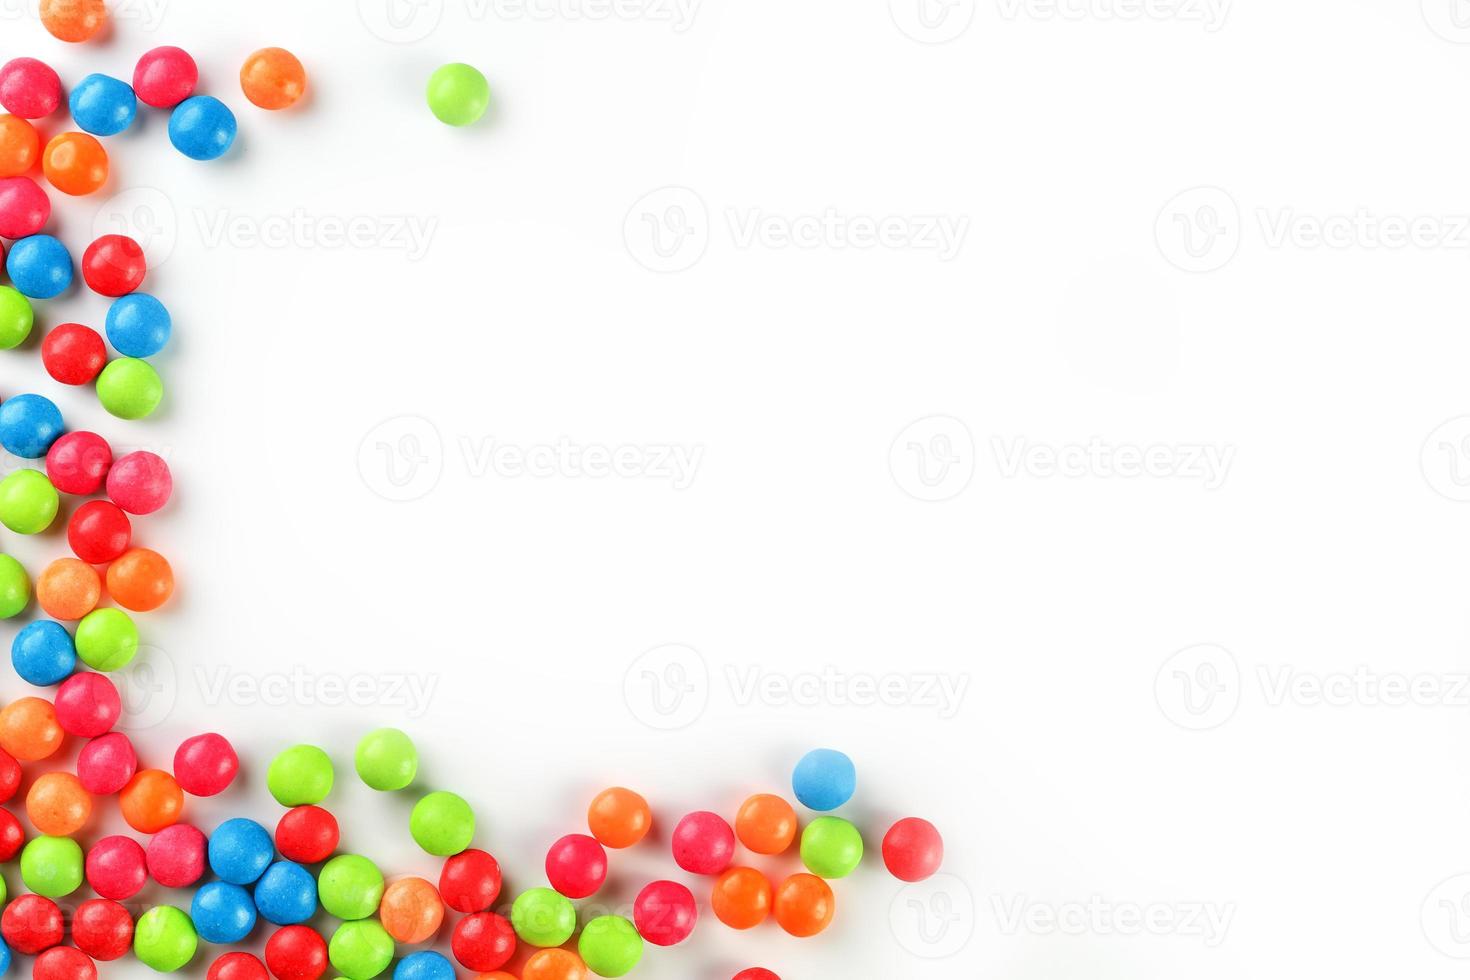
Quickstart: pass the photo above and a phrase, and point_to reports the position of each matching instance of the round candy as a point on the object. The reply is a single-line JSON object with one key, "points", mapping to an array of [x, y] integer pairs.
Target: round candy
{"points": [[102, 929], [541, 917], [240, 850], [39, 266], [831, 847], [483, 942], [78, 462], [31, 924], [442, 824], [742, 898], [29, 89], [273, 78], [913, 849], [576, 866], [58, 805], [286, 894], [411, 910], [114, 265], [296, 953], [824, 780], [804, 905], [423, 965], [68, 589], [766, 824], [202, 128], [107, 764], [116, 868], [29, 424], [24, 207], [99, 531], [140, 482], [15, 587], [140, 580], [63, 963], [164, 939], [351, 887], [129, 388], [87, 705], [223, 913], [75, 164], [665, 913], [756, 973], [619, 818], [43, 654], [28, 502], [610, 946], [29, 729], [176, 856], [300, 775], [73, 21], [20, 146], [307, 834], [458, 94], [551, 964], [51, 866], [470, 881], [205, 765], [151, 801], [386, 759], [103, 105], [237, 966], [704, 844], [107, 639], [16, 319], [165, 77], [10, 775], [138, 325], [360, 950], [12, 839]]}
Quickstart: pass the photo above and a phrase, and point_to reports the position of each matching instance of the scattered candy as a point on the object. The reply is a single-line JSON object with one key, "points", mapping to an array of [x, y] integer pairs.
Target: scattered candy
{"points": [[87, 705], [205, 765], [114, 265], [107, 764], [550, 964], [129, 388], [742, 898], [483, 942], [423, 965], [286, 894], [804, 905], [619, 818], [57, 804], [51, 866], [766, 824], [106, 639], [138, 325], [300, 775], [116, 868], [78, 462], [913, 850], [67, 588], [222, 913], [29, 424], [411, 910], [296, 953], [237, 966], [28, 502], [98, 532], [103, 105], [756, 973], [31, 924], [273, 78], [16, 318], [15, 587], [140, 580], [703, 844], [165, 77], [307, 834], [665, 913], [458, 94], [470, 881], [30, 89], [43, 653], [164, 939], [29, 730], [610, 946], [202, 128], [39, 266], [541, 917], [576, 866], [75, 164], [350, 886], [386, 759], [442, 824], [24, 207], [824, 780], [151, 801], [102, 929], [73, 21], [361, 949], [831, 847], [140, 483], [176, 856], [240, 850], [12, 838], [20, 146]]}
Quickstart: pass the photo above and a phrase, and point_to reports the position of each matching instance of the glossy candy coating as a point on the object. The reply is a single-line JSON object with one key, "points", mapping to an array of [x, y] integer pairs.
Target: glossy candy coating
{"points": [[58, 805], [665, 913], [202, 128], [824, 780], [703, 844], [576, 866], [237, 966], [129, 388], [458, 94], [766, 824], [29, 730], [103, 105], [140, 580], [307, 834], [483, 942], [20, 145], [286, 894], [17, 317], [424, 965], [756, 973], [360, 949], [351, 887], [273, 78], [99, 531], [151, 801], [741, 898], [78, 462], [30, 89], [51, 866], [28, 502], [610, 946], [552, 964], [831, 847], [442, 824], [205, 765], [29, 424], [296, 953], [470, 881], [68, 589], [15, 587], [10, 776], [240, 850], [164, 77], [140, 482], [300, 775], [43, 653], [24, 207], [75, 164], [164, 939], [541, 917], [39, 266], [107, 764], [31, 924], [386, 759], [619, 818], [114, 265], [177, 856], [804, 905], [913, 850], [102, 929], [116, 868], [87, 705], [107, 639], [223, 913], [411, 910], [73, 21], [138, 325]]}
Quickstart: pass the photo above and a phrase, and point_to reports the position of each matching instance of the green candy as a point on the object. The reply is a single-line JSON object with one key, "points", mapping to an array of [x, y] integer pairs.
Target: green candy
{"points": [[16, 318], [541, 917], [164, 939], [300, 776], [360, 950], [15, 587], [107, 639], [350, 887], [831, 847], [443, 824], [458, 94], [610, 946], [129, 388], [28, 502], [386, 759], [51, 866]]}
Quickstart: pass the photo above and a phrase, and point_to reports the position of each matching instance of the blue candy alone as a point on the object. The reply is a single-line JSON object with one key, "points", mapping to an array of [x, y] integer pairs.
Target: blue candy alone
{"points": [[43, 653], [222, 913], [29, 424], [425, 965], [824, 780], [4, 957], [39, 266], [103, 105], [240, 850], [202, 128], [138, 325], [286, 894]]}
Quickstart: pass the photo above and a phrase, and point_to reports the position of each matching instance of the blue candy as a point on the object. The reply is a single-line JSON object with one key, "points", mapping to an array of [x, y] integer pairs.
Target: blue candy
{"points": [[824, 780], [286, 894], [138, 325], [4, 957], [29, 424], [202, 128], [424, 965], [103, 105], [39, 266], [222, 913], [43, 653], [240, 850]]}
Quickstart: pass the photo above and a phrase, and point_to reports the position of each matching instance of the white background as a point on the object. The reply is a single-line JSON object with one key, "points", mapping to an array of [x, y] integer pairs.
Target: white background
{"points": [[1183, 232]]}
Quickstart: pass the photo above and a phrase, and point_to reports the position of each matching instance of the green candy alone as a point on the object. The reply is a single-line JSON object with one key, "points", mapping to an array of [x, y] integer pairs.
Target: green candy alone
{"points": [[610, 946], [129, 388], [442, 823], [387, 760], [300, 776], [107, 639], [16, 318], [458, 94], [28, 502], [52, 866], [360, 950], [15, 587], [543, 918], [350, 887], [164, 939], [831, 847]]}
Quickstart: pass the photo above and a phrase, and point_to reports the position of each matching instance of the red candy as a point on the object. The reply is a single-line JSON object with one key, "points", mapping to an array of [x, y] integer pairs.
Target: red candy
{"points": [[107, 764], [913, 849], [307, 834], [113, 265], [78, 462], [296, 953], [704, 844], [87, 705], [576, 866], [140, 482], [470, 881], [12, 835], [205, 765], [237, 966], [102, 929], [31, 924], [29, 89], [665, 913], [176, 856], [165, 77], [756, 973], [117, 868], [9, 777], [24, 207], [483, 942], [64, 963], [74, 355], [99, 532]]}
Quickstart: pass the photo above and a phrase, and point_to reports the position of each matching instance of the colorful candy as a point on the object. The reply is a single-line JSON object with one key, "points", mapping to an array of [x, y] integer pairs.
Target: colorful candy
{"points": [[831, 847], [164, 77], [29, 424], [202, 128], [73, 21], [619, 818], [107, 639], [129, 388], [386, 759], [222, 913], [423, 965], [542, 917], [164, 939], [550, 964], [30, 89], [741, 898], [114, 265], [102, 929], [43, 653], [87, 705], [176, 856], [610, 946], [16, 318], [31, 924], [138, 325], [756, 973], [458, 94], [24, 207], [766, 824], [913, 849], [78, 462], [103, 105], [307, 834], [20, 146], [68, 589], [665, 913], [58, 805], [51, 866], [470, 881], [411, 910], [205, 765], [442, 824], [237, 966], [12, 838], [483, 942], [350, 886], [273, 78], [140, 580], [151, 801], [576, 866], [140, 483], [116, 868], [703, 844], [15, 587], [300, 775], [39, 266], [29, 730], [286, 894], [28, 502], [75, 164], [360, 949], [804, 905], [240, 850], [296, 953], [99, 531], [106, 764], [824, 780]]}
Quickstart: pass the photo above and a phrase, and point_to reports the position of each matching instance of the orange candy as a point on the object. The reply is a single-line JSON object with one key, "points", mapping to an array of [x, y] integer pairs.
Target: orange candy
{"points": [[766, 824], [619, 818], [742, 898], [411, 910], [29, 729], [554, 964], [804, 905], [151, 801], [273, 78], [58, 805], [73, 20], [497, 975], [68, 589], [20, 145], [140, 580], [75, 163]]}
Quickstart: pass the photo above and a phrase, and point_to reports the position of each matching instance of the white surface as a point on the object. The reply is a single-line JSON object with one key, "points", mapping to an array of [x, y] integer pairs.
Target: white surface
{"points": [[1065, 152]]}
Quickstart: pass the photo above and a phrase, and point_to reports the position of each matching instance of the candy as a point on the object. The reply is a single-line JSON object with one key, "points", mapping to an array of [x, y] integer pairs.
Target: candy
{"points": [[766, 824], [424, 965], [107, 764], [58, 805], [28, 502], [742, 898], [296, 953], [129, 388], [411, 910], [73, 21], [68, 589], [541, 917], [913, 849], [29, 424], [140, 482], [75, 164], [12, 838], [87, 705], [240, 850], [307, 834], [483, 942], [831, 847], [116, 868], [106, 639], [351, 887], [223, 913], [114, 265], [703, 844], [138, 325], [300, 775], [237, 966], [164, 939], [442, 824], [176, 856], [29, 89], [286, 894], [273, 78], [165, 77], [39, 266], [10, 775], [78, 462], [552, 964], [20, 146], [29, 729], [102, 929], [140, 580], [63, 963], [15, 587], [51, 866], [151, 801], [610, 946], [470, 881], [619, 818], [103, 105], [665, 913], [360, 950], [24, 207], [458, 94], [576, 866], [16, 319], [31, 924], [756, 973], [43, 653], [824, 780], [202, 128], [205, 765], [804, 905], [99, 531], [386, 759]]}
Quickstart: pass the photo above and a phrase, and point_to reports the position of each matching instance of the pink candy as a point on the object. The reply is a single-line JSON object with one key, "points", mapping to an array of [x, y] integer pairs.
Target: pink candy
{"points": [[140, 483], [24, 207], [165, 77], [206, 764], [87, 705], [665, 913], [117, 868], [576, 866], [704, 844], [107, 764], [78, 463], [29, 88], [176, 856]]}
